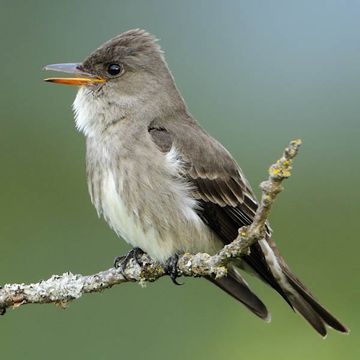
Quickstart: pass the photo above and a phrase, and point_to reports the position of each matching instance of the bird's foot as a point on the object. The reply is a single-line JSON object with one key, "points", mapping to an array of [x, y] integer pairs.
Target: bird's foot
{"points": [[172, 270], [122, 261], [2, 310]]}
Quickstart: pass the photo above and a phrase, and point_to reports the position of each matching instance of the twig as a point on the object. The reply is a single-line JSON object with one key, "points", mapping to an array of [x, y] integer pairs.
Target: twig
{"points": [[61, 289]]}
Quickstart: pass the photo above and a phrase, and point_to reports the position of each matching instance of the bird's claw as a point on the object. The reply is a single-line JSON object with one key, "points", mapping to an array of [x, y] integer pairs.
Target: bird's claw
{"points": [[172, 270], [2, 310], [122, 261]]}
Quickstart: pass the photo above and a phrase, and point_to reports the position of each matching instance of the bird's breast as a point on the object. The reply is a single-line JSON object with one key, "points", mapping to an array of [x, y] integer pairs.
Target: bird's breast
{"points": [[148, 206], [125, 220]]}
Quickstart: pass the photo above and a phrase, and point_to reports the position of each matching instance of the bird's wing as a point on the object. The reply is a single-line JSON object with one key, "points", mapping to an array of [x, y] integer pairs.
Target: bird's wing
{"points": [[228, 203], [224, 195]]}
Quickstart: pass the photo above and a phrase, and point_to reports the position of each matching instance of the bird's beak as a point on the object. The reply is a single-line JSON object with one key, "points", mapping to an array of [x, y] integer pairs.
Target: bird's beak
{"points": [[83, 78]]}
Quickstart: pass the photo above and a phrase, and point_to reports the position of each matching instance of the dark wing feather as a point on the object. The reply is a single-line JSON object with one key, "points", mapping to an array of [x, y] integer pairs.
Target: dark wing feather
{"points": [[228, 203], [226, 199]]}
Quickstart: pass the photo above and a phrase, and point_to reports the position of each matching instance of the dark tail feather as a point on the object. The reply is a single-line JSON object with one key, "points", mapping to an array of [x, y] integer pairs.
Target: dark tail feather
{"points": [[236, 286], [310, 308], [271, 267], [302, 307]]}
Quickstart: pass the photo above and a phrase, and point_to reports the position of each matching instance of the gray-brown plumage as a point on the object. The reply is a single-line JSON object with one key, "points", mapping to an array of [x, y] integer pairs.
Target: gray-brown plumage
{"points": [[160, 181]]}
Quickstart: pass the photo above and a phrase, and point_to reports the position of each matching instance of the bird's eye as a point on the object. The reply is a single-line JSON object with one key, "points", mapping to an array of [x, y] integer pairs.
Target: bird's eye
{"points": [[114, 69]]}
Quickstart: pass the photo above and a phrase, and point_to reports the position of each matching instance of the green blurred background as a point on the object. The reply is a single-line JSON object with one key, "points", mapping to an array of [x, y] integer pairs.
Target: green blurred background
{"points": [[256, 74]]}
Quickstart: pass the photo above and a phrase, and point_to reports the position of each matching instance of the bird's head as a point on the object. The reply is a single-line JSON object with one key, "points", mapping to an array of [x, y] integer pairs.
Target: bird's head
{"points": [[127, 74]]}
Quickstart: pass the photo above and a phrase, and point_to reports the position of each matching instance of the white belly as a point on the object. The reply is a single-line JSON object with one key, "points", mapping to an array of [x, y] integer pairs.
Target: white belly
{"points": [[181, 234]]}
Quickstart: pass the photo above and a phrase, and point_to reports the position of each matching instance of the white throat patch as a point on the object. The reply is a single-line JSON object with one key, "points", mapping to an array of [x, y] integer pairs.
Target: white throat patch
{"points": [[93, 113]]}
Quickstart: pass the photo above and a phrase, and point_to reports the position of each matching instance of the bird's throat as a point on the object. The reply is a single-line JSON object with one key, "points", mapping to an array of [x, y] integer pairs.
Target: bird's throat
{"points": [[94, 113]]}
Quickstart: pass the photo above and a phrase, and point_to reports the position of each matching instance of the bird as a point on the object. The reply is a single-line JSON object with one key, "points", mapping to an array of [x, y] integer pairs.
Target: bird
{"points": [[161, 182]]}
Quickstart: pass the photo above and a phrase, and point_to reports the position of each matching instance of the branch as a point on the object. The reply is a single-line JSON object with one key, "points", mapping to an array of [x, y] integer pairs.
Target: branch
{"points": [[61, 289]]}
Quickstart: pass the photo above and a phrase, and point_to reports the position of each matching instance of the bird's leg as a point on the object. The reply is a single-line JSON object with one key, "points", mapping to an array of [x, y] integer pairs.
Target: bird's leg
{"points": [[171, 268], [121, 261]]}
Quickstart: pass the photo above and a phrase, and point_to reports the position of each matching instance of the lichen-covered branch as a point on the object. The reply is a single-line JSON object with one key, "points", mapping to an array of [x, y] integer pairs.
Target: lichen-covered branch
{"points": [[61, 289]]}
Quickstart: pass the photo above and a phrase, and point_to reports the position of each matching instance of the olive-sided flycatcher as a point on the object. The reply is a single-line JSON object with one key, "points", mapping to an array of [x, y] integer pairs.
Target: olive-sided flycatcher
{"points": [[160, 181]]}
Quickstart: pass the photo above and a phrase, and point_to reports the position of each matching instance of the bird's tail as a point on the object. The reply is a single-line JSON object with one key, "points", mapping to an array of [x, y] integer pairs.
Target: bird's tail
{"points": [[295, 293], [305, 303], [237, 287], [267, 263]]}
